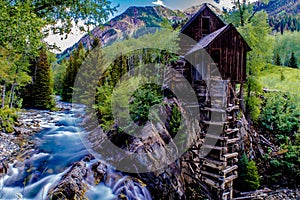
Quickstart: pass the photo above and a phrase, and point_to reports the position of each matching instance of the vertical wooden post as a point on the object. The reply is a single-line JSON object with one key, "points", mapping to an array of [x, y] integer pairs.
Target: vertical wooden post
{"points": [[242, 105]]}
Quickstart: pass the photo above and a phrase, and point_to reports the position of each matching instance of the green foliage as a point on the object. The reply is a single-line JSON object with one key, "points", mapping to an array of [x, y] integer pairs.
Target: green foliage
{"points": [[252, 177], [59, 71], [88, 78], [293, 61], [280, 114], [284, 22], [278, 60], [143, 99], [175, 121], [255, 30], [253, 105], [271, 79], [248, 179], [285, 45], [91, 12], [7, 119], [39, 94], [73, 67], [24, 25], [285, 169], [110, 93]]}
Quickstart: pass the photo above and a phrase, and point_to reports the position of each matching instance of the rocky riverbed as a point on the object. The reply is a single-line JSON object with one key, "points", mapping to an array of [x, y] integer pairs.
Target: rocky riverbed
{"points": [[14, 145]]}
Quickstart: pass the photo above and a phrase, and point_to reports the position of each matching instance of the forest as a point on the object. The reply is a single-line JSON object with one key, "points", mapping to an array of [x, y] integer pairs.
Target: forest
{"points": [[31, 77]]}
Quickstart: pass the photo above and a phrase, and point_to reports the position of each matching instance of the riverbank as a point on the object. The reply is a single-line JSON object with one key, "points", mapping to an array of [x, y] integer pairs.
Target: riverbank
{"points": [[14, 146]]}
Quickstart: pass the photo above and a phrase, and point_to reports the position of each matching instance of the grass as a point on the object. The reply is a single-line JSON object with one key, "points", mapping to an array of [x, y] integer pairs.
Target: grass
{"points": [[281, 78]]}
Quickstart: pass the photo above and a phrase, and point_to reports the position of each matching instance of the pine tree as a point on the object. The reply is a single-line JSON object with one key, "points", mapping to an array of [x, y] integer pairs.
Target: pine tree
{"points": [[248, 178], [68, 81], [252, 176], [86, 82], [73, 67], [41, 92], [293, 61]]}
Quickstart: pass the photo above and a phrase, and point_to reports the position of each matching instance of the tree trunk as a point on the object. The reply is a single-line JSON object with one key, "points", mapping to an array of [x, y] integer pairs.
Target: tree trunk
{"points": [[3, 95], [12, 94]]}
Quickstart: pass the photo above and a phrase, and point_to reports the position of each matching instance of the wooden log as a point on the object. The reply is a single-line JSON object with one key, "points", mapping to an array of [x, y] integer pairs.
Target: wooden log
{"points": [[231, 155], [223, 149], [230, 178], [210, 182], [230, 131], [214, 163], [218, 176], [229, 169], [233, 140], [215, 123]]}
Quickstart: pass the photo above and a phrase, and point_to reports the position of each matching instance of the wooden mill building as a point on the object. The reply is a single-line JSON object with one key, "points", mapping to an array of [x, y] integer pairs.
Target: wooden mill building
{"points": [[215, 66]]}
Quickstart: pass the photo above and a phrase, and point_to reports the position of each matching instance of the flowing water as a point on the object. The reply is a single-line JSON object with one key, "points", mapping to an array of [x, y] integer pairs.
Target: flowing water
{"points": [[58, 146]]}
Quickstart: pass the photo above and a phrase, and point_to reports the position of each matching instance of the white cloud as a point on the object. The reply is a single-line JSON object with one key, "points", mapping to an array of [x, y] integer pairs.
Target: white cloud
{"points": [[159, 2]]}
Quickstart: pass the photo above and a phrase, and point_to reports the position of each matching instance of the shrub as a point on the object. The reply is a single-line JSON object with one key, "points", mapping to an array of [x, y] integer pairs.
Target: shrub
{"points": [[280, 114], [7, 119]]}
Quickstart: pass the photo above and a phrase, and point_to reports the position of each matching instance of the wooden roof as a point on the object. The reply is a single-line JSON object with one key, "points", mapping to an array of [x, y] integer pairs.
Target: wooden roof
{"points": [[205, 6], [207, 40]]}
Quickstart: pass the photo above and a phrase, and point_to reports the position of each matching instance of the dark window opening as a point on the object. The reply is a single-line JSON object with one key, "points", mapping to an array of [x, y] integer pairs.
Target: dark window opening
{"points": [[215, 55], [205, 25]]}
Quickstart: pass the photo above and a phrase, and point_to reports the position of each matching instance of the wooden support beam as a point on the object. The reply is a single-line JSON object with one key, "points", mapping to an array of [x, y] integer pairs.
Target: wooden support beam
{"points": [[229, 169], [223, 149], [218, 137], [230, 155], [233, 140], [215, 123], [230, 178], [218, 176], [214, 110], [230, 131], [210, 182], [214, 163]]}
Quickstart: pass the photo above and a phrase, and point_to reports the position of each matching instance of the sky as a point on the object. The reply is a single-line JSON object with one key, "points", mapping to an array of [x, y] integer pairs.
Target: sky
{"points": [[123, 5]]}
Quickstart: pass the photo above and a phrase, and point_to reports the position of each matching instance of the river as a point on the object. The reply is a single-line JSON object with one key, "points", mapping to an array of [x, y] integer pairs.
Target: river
{"points": [[58, 145]]}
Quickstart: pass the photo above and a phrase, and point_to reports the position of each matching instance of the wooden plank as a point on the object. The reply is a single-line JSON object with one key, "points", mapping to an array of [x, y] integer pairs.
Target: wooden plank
{"points": [[234, 140], [214, 110], [215, 123], [230, 178], [231, 155], [230, 131], [218, 137], [212, 175], [210, 182], [214, 147], [230, 169]]}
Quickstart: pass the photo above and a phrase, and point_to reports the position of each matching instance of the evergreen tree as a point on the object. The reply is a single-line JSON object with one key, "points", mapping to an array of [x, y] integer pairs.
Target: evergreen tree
{"points": [[248, 178], [68, 81], [73, 67], [40, 92], [293, 61], [252, 176], [278, 60], [89, 75]]}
